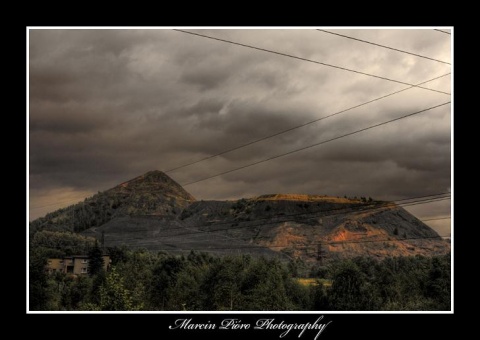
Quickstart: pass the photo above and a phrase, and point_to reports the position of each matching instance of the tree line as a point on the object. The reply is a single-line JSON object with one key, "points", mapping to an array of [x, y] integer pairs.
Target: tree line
{"points": [[143, 280]]}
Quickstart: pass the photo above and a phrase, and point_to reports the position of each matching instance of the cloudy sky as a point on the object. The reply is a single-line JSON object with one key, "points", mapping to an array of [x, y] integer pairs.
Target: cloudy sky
{"points": [[108, 105]]}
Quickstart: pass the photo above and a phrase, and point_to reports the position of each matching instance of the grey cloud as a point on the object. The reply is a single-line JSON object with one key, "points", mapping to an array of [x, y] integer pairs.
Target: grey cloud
{"points": [[108, 105], [205, 79]]}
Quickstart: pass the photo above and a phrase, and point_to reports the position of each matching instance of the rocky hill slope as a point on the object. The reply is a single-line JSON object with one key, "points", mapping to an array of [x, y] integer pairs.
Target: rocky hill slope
{"points": [[154, 212], [153, 193]]}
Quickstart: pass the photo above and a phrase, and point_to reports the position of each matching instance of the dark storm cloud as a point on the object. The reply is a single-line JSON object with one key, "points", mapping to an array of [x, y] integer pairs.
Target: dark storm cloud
{"points": [[108, 105], [66, 118]]}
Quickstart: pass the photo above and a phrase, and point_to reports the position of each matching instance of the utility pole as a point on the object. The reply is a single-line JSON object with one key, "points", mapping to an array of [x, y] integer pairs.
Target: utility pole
{"points": [[320, 254]]}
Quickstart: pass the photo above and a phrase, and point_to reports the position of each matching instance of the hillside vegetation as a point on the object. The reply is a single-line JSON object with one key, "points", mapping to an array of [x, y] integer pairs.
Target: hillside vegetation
{"points": [[151, 194]]}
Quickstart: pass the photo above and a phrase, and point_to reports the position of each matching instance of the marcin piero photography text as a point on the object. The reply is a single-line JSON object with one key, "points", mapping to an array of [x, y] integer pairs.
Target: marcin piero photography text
{"points": [[260, 324]]}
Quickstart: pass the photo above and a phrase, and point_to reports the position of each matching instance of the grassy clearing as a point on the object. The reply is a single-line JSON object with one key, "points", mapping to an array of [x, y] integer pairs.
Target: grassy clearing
{"points": [[304, 281]]}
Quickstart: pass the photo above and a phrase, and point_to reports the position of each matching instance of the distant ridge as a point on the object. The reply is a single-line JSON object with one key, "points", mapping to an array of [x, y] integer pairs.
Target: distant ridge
{"points": [[153, 193], [153, 211]]}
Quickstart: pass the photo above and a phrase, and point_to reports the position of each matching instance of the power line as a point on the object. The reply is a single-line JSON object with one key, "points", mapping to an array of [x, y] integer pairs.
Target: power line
{"points": [[293, 217], [414, 200], [314, 145], [379, 45], [427, 201], [309, 215], [388, 240], [53, 204], [299, 126], [251, 247], [310, 146], [379, 206], [397, 201], [441, 31], [263, 138], [417, 197], [436, 219], [310, 60], [270, 222], [293, 128], [307, 246], [335, 211], [266, 137]]}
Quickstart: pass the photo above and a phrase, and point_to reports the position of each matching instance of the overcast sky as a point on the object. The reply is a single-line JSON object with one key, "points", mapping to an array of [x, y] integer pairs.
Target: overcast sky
{"points": [[109, 105]]}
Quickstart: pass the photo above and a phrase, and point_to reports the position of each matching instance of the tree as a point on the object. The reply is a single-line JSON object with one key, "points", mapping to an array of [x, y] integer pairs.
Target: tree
{"points": [[117, 254], [318, 297], [263, 286], [438, 284], [97, 282], [64, 241], [113, 295], [75, 292], [186, 294], [222, 285], [38, 282], [348, 288], [164, 278], [95, 257]]}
